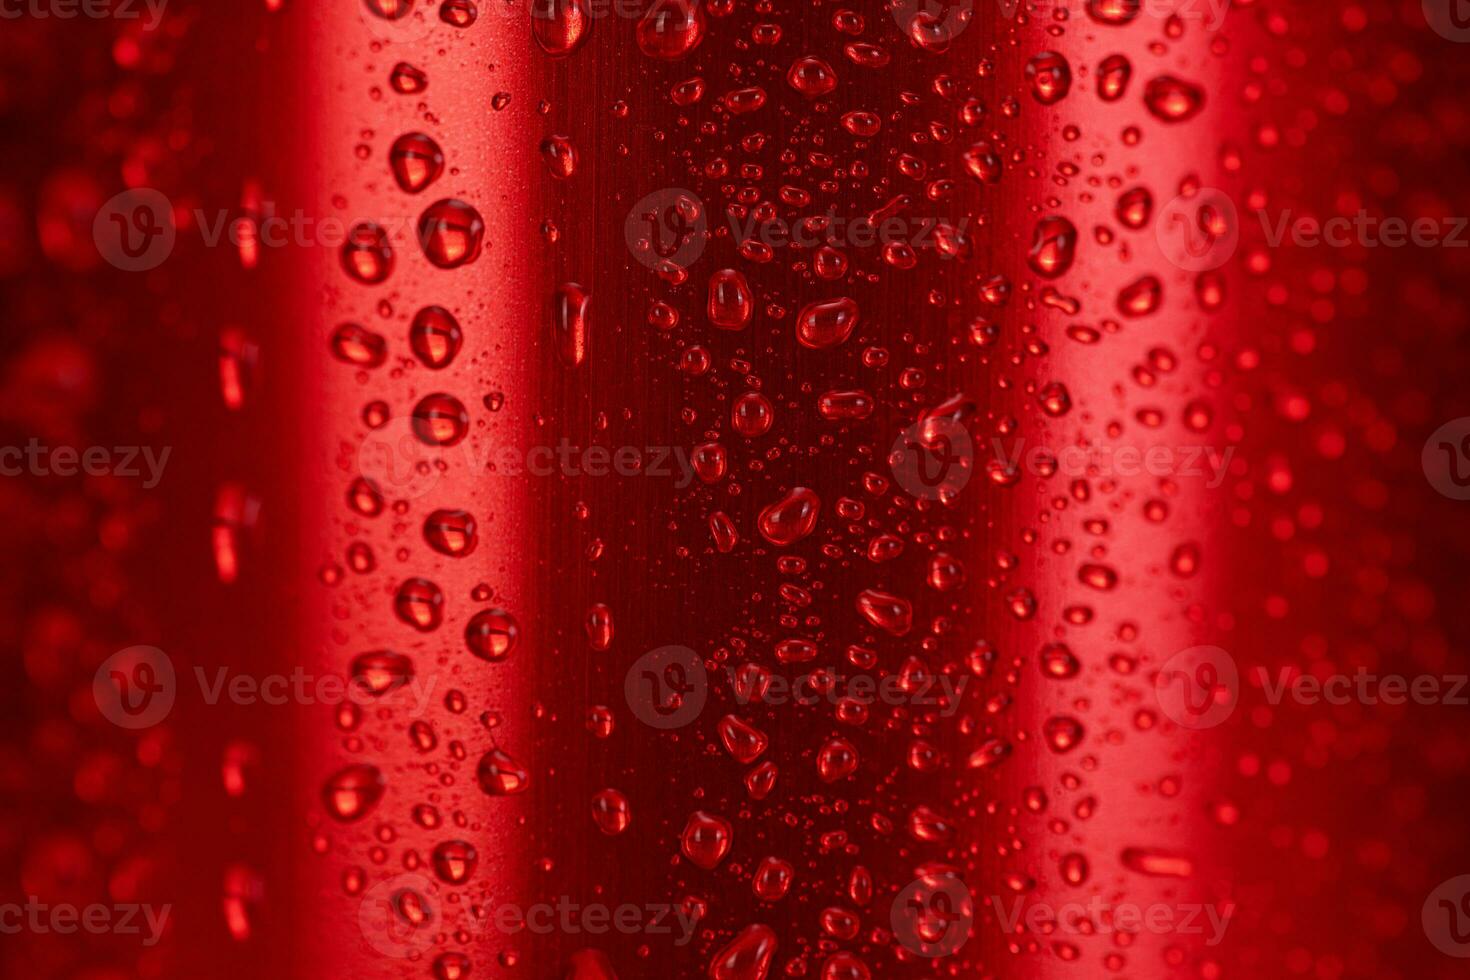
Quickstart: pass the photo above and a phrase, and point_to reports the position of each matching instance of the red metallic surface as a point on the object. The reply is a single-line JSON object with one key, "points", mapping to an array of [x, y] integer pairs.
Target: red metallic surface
{"points": [[1287, 520]]}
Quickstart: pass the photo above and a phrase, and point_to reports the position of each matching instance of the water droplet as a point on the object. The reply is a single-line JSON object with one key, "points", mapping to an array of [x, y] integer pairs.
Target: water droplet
{"points": [[599, 626], [706, 839], [435, 337], [772, 879], [1172, 99], [451, 233], [356, 344], [1050, 76], [1140, 298], [454, 861], [1113, 75], [571, 321], [416, 161], [610, 811], [731, 302], [742, 740], [420, 604], [671, 29], [752, 414], [451, 532], [1062, 733], [351, 793], [560, 156], [1115, 13], [812, 77], [826, 323], [1058, 661], [491, 634], [560, 26], [886, 611], [440, 420], [500, 775], [367, 254], [380, 672], [407, 79], [1053, 247], [458, 13], [837, 759], [791, 518], [746, 957]]}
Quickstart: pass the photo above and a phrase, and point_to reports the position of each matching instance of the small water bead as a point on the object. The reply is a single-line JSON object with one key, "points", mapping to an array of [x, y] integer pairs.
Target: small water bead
{"points": [[1058, 662], [791, 518], [451, 532], [837, 759], [500, 775], [451, 233], [731, 302], [772, 879], [827, 323], [1135, 207], [1053, 247], [380, 672], [390, 9], [671, 29], [611, 811], [571, 322], [355, 344], [983, 162], [746, 957], [435, 337], [812, 77], [459, 13], [1113, 75], [1055, 399], [352, 793], [440, 420], [838, 406], [862, 124], [407, 79], [367, 254], [886, 611], [1172, 99], [364, 497], [1062, 733], [560, 156], [752, 414], [722, 529], [451, 966], [416, 161], [1050, 76], [1141, 297], [1114, 13], [706, 839], [455, 861], [560, 26], [741, 739], [491, 634], [420, 604], [599, 627]]}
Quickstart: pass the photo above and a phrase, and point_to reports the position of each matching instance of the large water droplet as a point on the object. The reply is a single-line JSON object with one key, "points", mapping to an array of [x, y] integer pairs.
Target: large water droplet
{"points": [[451, 233], [416, 161]]}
